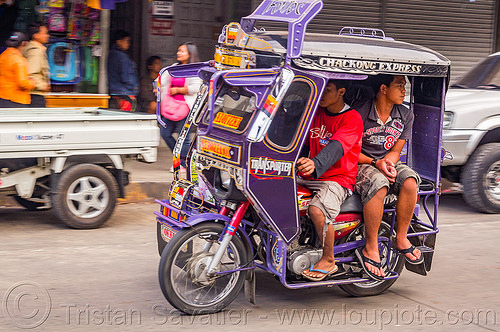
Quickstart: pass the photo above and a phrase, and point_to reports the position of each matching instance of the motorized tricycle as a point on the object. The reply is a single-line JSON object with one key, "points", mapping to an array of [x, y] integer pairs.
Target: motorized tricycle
{"points": [[240, 208]]}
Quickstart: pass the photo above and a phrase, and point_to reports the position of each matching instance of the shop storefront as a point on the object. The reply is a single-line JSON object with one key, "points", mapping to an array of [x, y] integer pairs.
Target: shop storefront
{"points": [[79, 41]]}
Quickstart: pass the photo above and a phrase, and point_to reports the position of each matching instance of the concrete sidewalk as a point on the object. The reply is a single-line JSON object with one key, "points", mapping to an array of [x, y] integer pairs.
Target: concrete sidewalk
{"points": [[149, 181]]}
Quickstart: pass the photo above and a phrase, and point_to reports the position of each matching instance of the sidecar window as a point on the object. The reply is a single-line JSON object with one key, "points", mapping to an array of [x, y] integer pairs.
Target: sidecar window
{"points": [[233, 108], [284, 126]]}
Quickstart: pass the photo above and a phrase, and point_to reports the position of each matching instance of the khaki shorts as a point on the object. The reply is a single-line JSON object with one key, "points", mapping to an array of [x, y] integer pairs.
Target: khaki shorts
{"points": [[370, 180], [328, 196]]}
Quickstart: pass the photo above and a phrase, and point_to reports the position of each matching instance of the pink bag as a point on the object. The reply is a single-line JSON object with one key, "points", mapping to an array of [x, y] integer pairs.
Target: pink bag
{"points": [[173, 109]]}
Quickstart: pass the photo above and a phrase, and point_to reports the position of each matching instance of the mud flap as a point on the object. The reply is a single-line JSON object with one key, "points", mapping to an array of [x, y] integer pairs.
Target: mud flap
{"points": [[425, 246], [250, 286]]}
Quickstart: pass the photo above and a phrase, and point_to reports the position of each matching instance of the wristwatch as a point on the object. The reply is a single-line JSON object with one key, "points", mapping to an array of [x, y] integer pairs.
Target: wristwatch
{"points": [[374, 162]]}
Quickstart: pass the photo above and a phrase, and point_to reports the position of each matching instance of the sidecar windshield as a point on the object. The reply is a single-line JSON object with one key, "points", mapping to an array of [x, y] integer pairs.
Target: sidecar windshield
{"points": [[233, 108]]}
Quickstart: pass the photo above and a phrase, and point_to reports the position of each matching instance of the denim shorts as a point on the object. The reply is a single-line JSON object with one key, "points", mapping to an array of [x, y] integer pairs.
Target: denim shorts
{"points": [[328, 196], [370, 180]]}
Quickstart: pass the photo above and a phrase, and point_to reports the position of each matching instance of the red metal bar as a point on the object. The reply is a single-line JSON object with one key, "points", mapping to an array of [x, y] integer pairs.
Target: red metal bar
{"points": [[224, 211], [237, 217]]}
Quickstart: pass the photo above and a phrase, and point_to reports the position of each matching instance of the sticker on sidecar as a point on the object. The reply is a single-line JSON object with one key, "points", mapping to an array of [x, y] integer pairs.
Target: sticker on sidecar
{"points": [[266, 168], [227, 120], [167, 233], [219, 149]]}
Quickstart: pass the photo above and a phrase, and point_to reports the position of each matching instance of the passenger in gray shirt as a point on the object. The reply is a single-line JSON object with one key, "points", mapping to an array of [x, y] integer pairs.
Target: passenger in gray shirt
{"points": [[387, 127]]}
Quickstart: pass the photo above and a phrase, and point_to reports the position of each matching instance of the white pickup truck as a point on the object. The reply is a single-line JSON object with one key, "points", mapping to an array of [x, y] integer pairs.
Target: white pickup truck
{"points": [[72, 159]]}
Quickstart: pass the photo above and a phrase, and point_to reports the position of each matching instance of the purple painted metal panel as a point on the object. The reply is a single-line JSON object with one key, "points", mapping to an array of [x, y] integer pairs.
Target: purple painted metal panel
{"points": [[425, 142], [283, 11], [256, 82], [271, 184], [341, 76], [194, 220], [296, 13], [187, 70]]}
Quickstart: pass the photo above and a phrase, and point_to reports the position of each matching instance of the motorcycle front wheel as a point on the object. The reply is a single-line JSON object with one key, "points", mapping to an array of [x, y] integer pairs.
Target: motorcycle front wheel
{"points": [[185, 261]]}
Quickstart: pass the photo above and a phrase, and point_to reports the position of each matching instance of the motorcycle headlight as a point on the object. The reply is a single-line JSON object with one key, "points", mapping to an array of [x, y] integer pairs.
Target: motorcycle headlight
{"points": [[225, 179], [447, 119]]}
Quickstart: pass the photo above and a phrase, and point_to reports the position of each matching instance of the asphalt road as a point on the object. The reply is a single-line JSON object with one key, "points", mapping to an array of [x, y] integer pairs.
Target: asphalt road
{"points": [[56, 279]]}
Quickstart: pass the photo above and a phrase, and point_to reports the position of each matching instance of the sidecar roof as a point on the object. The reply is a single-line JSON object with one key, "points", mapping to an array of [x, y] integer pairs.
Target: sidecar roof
{"points": [[360, 54]]}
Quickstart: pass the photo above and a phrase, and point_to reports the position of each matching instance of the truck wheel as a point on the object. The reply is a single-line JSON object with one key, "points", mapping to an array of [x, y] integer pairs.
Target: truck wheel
{"points": [[481, 179], [85, 196]]}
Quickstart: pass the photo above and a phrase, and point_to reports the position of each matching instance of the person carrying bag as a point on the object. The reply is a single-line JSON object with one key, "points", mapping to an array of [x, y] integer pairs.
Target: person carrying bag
{"points": [[178, 98]]}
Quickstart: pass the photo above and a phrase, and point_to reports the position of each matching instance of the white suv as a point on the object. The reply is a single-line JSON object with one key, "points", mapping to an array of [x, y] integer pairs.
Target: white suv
{"points": [[472, 134]]}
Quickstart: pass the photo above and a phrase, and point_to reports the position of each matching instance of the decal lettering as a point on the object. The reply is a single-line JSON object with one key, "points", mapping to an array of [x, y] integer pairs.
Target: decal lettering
{"points": [[369, 65], [215, 148], [284, 7], [39, 137], [228, 120], [264, 166]]}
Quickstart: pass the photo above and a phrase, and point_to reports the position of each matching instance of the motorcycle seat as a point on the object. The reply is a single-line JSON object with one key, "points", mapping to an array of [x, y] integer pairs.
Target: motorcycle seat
{"points": [[352, 204]]}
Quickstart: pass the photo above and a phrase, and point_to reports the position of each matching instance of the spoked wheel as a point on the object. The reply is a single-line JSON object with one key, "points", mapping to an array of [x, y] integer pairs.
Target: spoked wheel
{"points": [[373, 287], [184, 264]]}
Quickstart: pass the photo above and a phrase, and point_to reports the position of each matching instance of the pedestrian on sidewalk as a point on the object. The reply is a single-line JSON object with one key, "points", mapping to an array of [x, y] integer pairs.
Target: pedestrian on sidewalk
{"points": [[15, 84], [180, 92], [147, 96], [38, 64], [122, 74], [8, 16]]}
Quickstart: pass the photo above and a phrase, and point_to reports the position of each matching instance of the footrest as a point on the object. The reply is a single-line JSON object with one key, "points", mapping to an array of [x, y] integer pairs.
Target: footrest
{"points": [[425, 266]]}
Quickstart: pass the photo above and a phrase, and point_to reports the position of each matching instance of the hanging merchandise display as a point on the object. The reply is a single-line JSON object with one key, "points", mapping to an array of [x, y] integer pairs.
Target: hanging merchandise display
{"points": [[74, 26], [64, 62]]}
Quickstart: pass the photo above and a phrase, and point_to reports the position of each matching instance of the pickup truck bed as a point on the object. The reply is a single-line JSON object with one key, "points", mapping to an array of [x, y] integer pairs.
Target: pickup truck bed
{"points": [[72, 159]]}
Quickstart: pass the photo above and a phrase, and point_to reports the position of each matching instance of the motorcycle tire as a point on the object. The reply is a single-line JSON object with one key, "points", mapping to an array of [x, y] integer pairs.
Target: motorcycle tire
{"points": [[184, 261], [375, 287]]}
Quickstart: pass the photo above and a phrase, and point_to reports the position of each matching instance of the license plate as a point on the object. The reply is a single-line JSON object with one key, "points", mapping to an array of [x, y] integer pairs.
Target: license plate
{"points": [[167, 232], [228, 60]]}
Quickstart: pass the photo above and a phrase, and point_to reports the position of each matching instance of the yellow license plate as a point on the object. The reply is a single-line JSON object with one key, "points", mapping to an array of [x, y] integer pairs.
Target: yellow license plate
{"points": [[228, 60]]}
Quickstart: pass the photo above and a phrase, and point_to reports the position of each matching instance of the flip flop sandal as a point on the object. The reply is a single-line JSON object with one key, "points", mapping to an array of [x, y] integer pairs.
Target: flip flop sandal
{"points": [[363, 259], [325, 273], [410, 251]]}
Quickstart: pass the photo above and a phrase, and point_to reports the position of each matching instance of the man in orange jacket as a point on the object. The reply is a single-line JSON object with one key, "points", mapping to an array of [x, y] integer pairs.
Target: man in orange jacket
{"points": [[15, 84]]}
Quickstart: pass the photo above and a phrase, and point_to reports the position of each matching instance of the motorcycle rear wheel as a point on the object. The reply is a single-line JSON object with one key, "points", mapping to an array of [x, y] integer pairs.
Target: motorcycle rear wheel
{"points": [[374, 287], [184, 262]]}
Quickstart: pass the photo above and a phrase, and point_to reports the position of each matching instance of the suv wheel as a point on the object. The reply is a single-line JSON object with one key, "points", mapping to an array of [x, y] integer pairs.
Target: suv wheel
{"points": [[481, 179]]}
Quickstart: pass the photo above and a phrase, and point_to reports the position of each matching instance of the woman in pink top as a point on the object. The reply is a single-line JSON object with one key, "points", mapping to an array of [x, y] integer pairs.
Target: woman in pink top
{"points": [[183, 89]]}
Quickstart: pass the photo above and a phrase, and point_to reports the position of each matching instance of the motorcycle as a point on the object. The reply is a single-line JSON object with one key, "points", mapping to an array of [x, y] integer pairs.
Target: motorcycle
{"points": [[240, 208]]}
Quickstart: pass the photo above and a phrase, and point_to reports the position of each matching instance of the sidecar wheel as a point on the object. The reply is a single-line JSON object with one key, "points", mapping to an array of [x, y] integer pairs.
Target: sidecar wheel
{"points": [[184, 261], [374, 287]]}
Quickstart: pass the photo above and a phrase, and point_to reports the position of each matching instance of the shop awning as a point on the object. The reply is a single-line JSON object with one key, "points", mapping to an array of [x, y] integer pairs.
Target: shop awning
{"points": [[103, 4]]}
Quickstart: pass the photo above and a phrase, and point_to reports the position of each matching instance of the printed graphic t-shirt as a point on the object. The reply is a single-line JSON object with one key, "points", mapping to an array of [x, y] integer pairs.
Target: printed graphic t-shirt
{"points": [[378, 138], [346, 128]]}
